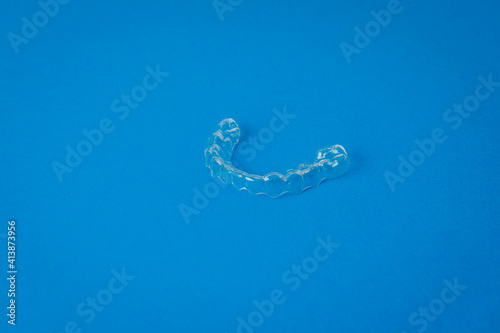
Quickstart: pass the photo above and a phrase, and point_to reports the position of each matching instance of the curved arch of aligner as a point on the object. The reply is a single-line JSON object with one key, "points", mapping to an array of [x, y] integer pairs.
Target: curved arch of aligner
{"points": [[330, 162]]}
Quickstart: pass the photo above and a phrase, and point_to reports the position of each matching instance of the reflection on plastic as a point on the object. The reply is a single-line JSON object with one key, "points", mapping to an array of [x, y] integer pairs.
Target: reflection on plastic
{"points": [[330, 162]]}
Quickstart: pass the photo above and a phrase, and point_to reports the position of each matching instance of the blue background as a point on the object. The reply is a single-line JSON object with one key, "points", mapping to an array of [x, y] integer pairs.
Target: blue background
{"points": [[120, 207]]}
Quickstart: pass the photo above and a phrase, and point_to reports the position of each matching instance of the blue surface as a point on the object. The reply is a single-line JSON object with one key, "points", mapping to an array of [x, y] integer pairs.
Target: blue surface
{"points": [[397, 250]]}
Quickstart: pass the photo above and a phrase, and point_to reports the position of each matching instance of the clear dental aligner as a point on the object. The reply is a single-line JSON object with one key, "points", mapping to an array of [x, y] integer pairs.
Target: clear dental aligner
{"points": [[330, 162]]}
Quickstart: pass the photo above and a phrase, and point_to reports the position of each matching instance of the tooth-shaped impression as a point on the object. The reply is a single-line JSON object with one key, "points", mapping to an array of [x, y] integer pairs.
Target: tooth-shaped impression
{"points": [[330, 162]]}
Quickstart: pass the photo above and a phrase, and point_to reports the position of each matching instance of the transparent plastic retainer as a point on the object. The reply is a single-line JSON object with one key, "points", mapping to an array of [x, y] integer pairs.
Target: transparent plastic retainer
{"points": [[330, 162]]}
